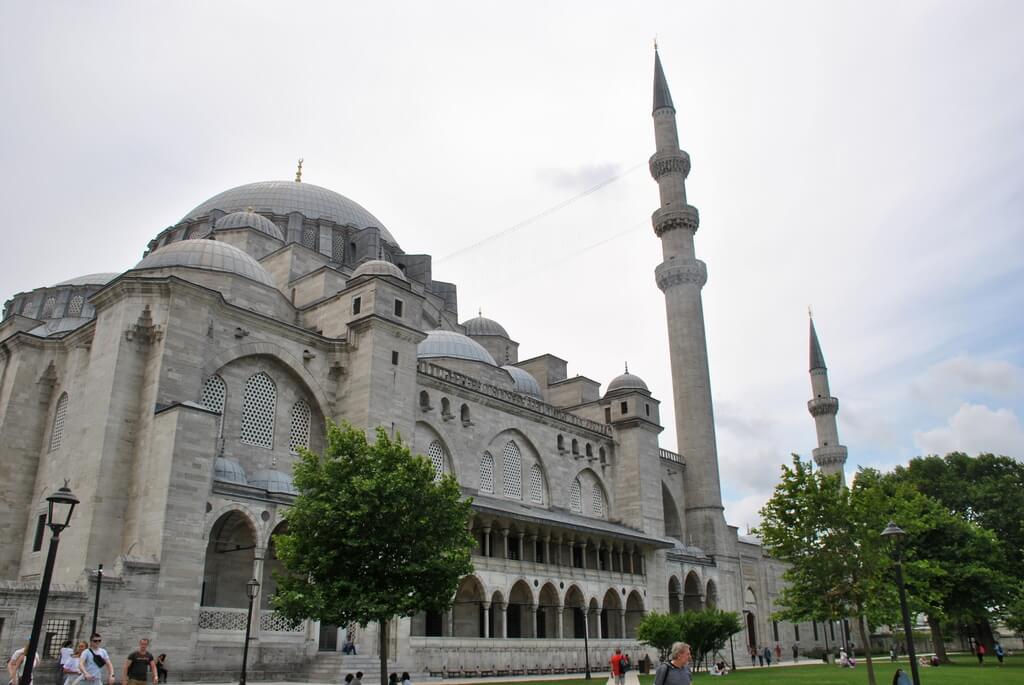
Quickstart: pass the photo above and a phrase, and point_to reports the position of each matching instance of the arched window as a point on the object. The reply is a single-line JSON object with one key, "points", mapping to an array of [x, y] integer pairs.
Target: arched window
{"points": [[212, 397], [597, 503], [561, 443], [424, 400], [536, 485], [589, 450], [446, 408], [602, 456], [576, 497], [75, 305], [436, 454], [512, 468], [59, 416], [259, 402], [299, 436], [575, 446], [487, 473], [464, 414], [48, 308]]}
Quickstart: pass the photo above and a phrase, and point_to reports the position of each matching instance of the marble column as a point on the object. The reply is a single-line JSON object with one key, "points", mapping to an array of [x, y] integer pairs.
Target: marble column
{"points": [[487, 618]]}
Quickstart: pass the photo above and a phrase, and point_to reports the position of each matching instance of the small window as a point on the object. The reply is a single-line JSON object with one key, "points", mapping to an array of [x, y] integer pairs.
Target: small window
{"points": [[575, 446], [399, 306], [424, 400], [394, 357], [561, 443], [588, 450], [623, 407], [446, 407], [464, 414], [647, 409], [607, 414], [357, 304], [37, 542], [602, 456]]}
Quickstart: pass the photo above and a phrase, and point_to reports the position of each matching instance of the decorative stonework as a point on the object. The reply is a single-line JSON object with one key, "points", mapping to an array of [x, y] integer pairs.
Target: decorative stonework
{"points": [[821, 406], [829, 456], [661, 164], [669, 275], [670, 219], [144, 330]]}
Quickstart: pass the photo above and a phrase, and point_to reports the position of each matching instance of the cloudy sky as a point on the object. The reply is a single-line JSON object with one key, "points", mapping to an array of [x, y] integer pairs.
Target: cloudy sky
{"points": [[862, 158]]}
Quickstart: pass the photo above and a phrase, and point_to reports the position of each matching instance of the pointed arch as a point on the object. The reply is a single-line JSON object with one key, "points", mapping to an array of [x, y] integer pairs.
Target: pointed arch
{"points": [[467, 611], [299, 434], [598, 501], [487, 473], [670, 513], [634, 613], [429, 443], [675, 596], [512, 470], [693, 600], [60, 415], [576, 496], [547, 611], [259, 406], [230, 553], [538, 485], [711, 595]]}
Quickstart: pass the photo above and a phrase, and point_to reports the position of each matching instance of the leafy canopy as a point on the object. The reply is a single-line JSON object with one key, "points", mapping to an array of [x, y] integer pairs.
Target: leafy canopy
{"points": [[705, 631]]}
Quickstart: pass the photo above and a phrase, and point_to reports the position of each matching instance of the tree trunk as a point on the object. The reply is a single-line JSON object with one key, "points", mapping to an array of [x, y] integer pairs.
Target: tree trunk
{"points": [[865, 643], [384, 640], [938, 641], [983, 634]]}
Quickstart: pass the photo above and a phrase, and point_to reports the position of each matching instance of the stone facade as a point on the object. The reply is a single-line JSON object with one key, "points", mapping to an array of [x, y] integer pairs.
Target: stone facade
{"points": [[173, 397]]}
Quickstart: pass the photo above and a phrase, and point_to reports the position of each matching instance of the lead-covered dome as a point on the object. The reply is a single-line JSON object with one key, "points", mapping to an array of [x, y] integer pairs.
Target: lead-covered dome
{"points": [[378, 267], [90, 279], [211, 255], [481, 325], [284, 197], [525, 383], [273, 481], [455, 345], [249, 220], [626, 381], [228, 470]]}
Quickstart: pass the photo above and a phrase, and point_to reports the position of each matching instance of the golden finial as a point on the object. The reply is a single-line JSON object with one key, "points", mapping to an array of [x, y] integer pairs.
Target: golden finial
{"points": [[298, 172], [655, 42], [627, 367], [480, 311], [810, 312]]}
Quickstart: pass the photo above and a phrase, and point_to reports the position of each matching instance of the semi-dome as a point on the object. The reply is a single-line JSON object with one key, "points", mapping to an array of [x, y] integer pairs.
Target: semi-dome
{"points": [[481, 325], [284, 197], [249, 220], [626, 381], [525, 383], [273, 481], [378, 267], [455, 345], [90, 279], [228, 470], [211, 255]]}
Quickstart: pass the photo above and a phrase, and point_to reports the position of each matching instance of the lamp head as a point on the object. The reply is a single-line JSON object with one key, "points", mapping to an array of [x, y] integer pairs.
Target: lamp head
{"points": [[60, 506], [252, 588], [893, 531]]}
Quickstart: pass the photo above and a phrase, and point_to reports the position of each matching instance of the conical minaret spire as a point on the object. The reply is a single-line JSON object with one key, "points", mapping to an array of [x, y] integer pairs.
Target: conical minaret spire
{"points": [[681, 276], [829, 455]]}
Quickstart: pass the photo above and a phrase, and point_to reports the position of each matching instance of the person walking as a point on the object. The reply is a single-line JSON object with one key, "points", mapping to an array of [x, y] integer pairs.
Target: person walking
{"points": [[1000, 653], [796, 653], [675, 671], [406, 680], [616, 665], [70, 667], [161, 667], [767, 655], [778, 652], [358, 680], [16, 664], [93, 660], [980, 651], [900, 677], [753, 656], [139, 665]]}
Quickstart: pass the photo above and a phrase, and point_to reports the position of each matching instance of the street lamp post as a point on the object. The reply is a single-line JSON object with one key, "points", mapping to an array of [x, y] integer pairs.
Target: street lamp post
{"points": [[732, 652], [586, 644], [96, 605], [896, 534], [60, 506], [252, 588]]}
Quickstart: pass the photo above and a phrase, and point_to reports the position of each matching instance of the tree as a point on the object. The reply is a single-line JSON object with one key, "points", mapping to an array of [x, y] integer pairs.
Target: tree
{"points": [[659, 631], [372, 535], [707, 631]]}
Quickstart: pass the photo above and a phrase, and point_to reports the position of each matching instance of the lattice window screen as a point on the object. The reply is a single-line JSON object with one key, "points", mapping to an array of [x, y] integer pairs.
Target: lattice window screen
{"points": [[597, 505], [512, 468], [338, 247], [436, 454], [75, 306], [309, 234], [299, 436], [536, 485], [575, 497], [259, 403], [212, 396], [59, 417], [487, 473], [48, 308]]}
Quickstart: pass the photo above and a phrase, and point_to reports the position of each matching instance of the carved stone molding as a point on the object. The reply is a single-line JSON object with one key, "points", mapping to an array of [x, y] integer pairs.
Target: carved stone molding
{"points": [[828, 456], [144, 330], [821, 406], [671, 219], [669, 275], [661, 164]]}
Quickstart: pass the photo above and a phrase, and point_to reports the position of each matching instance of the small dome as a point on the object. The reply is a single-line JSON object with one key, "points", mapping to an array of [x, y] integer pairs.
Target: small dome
{"points": [[378, 267], [212, 255], [626, 381], [62, 325], [90, 279], [228, 470], [484, 326], [273, 481], [249, 220], [526, 384], [455, 345]]}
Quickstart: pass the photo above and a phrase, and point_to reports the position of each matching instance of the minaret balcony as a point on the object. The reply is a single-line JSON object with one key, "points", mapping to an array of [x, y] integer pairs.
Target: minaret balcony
{"points": [[670, 274], [662, 163], [829, 456], [822, 406], [671, 218]]}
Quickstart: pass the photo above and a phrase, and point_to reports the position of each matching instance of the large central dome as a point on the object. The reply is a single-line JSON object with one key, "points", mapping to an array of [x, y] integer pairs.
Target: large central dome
{"points": [[282, 197]]}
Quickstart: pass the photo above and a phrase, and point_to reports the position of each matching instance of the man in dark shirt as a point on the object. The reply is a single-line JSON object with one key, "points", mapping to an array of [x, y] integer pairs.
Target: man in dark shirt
{"points": [[138, 665], [676, 670]]}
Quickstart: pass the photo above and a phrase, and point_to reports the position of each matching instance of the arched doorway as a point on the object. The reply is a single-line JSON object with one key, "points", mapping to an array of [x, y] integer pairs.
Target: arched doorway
{"points": [[572, 616], [547, 612], [692, 599], [230, 554], [751, 633], [611, 615], [634, 613], [517, 618], [467, 612], [675, 594], [711, 595]]}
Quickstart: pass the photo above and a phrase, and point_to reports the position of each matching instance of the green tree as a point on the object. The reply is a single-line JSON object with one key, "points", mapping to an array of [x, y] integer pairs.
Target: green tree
{"points": [[372, 535], [659, 631], [707, 631]]}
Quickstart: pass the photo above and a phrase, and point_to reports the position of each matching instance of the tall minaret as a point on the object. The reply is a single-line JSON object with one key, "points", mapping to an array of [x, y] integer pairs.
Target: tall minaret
{"points": [[830, 456], [681, 277]]}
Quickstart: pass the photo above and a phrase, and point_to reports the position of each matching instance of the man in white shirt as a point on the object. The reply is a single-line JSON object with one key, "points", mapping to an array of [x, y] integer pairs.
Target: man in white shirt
{"points": [[94, 660]]}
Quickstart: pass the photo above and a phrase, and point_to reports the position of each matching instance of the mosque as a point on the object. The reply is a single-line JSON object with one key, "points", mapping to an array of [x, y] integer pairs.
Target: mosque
{"points": [[174, 397]]}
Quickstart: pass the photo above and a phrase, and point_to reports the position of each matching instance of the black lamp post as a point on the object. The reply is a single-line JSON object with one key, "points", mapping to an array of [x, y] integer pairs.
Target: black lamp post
{"points": [[732, 652], [252, 588], [586, 644], [96, 605], [60, 506], [895, 533]]}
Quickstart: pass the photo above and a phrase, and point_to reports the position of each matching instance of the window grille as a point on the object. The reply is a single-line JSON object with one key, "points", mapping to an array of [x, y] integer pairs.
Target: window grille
{"points": [[576, 497], [56, 631], [212, 397], [487, 473], [259, 402], [48, 306], [300, 427], [59, 417], [597, 507], [436, 454], [536, 485], [75, 306], [512, 468], [338, 247], [309, 236]]}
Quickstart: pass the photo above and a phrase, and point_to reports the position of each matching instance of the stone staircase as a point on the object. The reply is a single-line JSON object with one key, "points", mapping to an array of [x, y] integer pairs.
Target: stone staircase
{"points": [[331, 667]]}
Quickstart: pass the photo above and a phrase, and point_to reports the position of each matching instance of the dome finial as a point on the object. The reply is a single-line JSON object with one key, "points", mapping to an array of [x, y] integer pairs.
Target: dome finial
{"points": [[810, 312], [655, 42], [298, 172], [627, 367], [479, 311]]}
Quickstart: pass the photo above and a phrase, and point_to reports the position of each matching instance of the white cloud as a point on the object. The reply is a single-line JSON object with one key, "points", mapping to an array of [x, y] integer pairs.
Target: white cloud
{"points": [[745, 512], [954, 379], [974, 429]]}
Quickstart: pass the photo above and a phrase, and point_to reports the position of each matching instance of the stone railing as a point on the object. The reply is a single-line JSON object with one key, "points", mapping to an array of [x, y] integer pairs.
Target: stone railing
{"points": [[464, 381], [670, 456], [221, 618], [273, 622]]}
